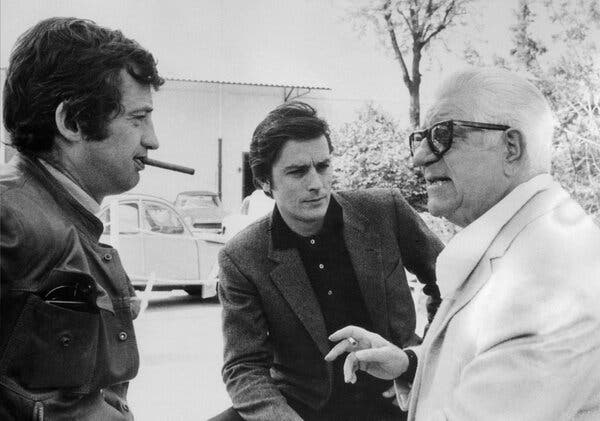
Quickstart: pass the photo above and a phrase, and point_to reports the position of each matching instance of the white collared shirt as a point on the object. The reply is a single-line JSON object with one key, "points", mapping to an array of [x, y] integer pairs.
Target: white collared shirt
{"points": [[465, 249], [73, 188]]}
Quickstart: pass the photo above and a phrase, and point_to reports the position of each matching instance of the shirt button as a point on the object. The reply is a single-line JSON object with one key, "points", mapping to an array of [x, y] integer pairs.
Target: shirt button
{"points": [[321, 266], [123, 336], [65, 341], [330, 292], [312, 241], [107, 257]]}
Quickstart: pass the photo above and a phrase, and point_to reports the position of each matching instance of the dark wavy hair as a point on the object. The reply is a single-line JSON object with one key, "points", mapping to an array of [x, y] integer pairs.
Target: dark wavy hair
{"points": [[74, 61], [293, 120]]}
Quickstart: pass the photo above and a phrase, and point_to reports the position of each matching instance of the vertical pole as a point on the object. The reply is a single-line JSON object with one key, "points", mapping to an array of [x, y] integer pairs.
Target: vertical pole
{"points": [[220, 146], [220, 169]]}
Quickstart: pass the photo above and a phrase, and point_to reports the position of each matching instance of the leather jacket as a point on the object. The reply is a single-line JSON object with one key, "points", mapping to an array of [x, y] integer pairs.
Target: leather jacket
{"points": [[67, 343]]}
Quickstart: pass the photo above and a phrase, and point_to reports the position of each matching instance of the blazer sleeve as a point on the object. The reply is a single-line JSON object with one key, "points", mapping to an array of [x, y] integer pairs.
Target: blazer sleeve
{"points": [[419, 248], [530, 377], [247, 350], [536, 337]]}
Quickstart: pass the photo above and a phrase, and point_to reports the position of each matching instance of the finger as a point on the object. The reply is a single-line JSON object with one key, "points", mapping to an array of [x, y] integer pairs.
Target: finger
{"points": [[340, 348], [389, 393], [350, 367], [356, 332], [402, 400], [388, 360], [372, 355]]}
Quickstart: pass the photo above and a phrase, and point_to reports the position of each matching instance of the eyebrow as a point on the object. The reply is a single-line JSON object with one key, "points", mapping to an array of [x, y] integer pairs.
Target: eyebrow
{"points": [[145, 109], [293, 167]]}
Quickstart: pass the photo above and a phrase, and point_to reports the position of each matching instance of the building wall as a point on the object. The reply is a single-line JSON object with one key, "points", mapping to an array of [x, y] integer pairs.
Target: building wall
{"points": [[190, 117]]}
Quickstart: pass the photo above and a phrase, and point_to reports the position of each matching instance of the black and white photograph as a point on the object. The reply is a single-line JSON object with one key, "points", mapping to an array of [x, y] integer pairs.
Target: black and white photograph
{"points": [[287, 210]]}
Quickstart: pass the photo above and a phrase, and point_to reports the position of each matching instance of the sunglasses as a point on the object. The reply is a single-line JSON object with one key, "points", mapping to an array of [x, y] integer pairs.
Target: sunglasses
{"points": [[440, 135]]}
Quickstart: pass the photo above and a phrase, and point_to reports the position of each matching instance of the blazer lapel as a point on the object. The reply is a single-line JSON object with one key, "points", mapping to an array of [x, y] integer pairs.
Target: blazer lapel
{"points": [[424, 352], [540, 204], [364, 248], [290, 278]]}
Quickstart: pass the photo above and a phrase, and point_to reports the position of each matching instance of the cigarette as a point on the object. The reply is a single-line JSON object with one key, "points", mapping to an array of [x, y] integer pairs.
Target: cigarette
{"points": [[167, 166]]}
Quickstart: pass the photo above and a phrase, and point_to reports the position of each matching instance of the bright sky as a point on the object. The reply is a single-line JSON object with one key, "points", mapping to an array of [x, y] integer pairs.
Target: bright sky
{"points": [[300, 42]]}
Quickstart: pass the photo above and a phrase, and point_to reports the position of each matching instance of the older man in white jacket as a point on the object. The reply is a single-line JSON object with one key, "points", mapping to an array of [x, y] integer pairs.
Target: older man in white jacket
{"points": [[517, 336]]}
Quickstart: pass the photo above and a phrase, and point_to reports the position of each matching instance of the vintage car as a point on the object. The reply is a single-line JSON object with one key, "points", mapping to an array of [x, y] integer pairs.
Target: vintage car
{"points": [[201, 209], [253, 208], [156, 245]]}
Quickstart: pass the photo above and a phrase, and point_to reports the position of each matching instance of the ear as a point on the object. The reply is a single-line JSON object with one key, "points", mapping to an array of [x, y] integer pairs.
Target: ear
{"points": [[265, 186], [514, 143], [68, 130]]}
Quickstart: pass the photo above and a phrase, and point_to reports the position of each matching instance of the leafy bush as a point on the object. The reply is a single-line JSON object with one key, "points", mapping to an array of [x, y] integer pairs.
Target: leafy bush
{"points": [[372, 151]]}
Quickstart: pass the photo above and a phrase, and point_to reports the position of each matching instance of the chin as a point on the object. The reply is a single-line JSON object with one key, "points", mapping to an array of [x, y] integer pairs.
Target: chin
{"points": [[313, 215], [433, 208], [438, 209]]}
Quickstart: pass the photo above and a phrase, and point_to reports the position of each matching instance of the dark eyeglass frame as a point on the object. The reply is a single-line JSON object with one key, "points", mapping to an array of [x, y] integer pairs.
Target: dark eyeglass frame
{"points": [[449, 125]]}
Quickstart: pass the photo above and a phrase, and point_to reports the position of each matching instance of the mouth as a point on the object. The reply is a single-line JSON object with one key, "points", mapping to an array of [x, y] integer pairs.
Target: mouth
{"points": [[433, 181], [139, 165], [316, 200]]}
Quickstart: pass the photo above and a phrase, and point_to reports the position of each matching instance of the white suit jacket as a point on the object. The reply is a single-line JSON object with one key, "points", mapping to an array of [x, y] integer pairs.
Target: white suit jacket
{"points": [[519, 339]]}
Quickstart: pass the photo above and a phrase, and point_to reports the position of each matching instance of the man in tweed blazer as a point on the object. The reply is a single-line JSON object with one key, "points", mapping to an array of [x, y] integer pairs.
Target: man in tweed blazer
{"points": [[318, 262]]}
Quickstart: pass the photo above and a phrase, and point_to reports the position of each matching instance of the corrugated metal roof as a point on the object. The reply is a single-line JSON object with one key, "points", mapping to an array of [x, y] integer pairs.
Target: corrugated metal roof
{"points": [[226, 82]]}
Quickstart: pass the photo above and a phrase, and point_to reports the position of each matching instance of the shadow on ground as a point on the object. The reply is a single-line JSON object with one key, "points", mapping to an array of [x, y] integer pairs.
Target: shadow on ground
{"points": [[181, 301]]}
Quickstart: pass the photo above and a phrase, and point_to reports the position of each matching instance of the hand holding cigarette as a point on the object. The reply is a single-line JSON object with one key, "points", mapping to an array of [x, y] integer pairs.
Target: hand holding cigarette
{"points": [[167, 166]]}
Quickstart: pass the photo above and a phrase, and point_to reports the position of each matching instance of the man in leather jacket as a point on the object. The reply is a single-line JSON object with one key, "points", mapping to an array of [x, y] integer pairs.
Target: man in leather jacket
{"points": [[77, 106]]}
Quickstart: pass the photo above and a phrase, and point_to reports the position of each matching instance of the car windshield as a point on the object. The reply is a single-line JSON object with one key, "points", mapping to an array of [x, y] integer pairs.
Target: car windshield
{"points": [[196, 202]]}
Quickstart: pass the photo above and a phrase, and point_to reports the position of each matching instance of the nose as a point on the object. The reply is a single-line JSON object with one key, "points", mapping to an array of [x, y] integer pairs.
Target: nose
{"points": [[314, 181], [150, 141], [423, 156]]}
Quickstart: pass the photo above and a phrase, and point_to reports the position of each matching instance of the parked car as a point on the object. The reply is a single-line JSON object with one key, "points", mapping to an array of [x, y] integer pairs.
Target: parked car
{"points": [[253, 207], [155, 242], [201, 209]]}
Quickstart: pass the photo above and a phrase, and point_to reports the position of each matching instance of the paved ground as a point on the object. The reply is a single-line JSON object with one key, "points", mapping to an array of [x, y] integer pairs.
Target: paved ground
{"points": [[180, 351], [181, 355]]}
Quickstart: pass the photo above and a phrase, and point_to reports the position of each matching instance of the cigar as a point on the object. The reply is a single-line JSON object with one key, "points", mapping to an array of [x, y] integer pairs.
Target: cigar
{"points": [[167, 166]]}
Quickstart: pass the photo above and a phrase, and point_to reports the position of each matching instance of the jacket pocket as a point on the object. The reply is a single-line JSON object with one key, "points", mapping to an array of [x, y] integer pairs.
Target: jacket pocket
{"points": [[52, 347]]}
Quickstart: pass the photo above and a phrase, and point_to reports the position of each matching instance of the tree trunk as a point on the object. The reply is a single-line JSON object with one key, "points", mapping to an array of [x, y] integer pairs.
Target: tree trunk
{"points": [[415, 87], [415, 105]]}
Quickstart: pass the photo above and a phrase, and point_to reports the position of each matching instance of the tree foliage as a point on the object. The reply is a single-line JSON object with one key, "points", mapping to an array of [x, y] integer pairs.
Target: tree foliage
{"points": [[372, 151], [570, 78], [407, 28]]}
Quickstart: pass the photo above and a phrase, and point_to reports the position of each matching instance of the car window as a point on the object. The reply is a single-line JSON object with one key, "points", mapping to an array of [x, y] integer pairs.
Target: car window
{"points": [[128, 219], [161, 219], [197, 202], [129, 222]]}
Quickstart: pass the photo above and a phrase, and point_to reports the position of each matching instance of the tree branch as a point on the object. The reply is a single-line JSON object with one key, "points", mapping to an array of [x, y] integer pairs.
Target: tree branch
{"points": [[408, 23], [387, 15], [443, 24]]}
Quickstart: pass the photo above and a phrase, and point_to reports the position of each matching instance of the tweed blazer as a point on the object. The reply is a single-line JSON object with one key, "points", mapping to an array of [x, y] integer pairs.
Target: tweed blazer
{"points": [[520, 338], [274, 332]]}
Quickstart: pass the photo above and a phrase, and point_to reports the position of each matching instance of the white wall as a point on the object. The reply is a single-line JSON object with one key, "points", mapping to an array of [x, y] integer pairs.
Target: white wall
{"points": [[189, 118]]}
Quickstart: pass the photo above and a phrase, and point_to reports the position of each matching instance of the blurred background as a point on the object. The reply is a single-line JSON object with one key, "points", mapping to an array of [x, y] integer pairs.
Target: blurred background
{"points": [[370, 67]]}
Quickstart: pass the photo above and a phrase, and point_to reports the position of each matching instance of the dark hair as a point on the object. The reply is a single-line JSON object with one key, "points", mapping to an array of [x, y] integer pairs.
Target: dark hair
{"points": [[293, 120], [73, 61]]}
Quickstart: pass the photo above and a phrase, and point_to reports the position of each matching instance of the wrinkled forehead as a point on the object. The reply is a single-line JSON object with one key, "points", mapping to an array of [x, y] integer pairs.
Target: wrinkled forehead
{"points": [[449, 107]]}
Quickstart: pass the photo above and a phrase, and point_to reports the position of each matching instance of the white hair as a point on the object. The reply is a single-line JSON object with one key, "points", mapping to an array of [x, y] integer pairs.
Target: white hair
{"points": [[498, 96]]}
